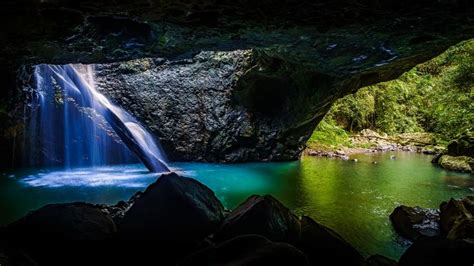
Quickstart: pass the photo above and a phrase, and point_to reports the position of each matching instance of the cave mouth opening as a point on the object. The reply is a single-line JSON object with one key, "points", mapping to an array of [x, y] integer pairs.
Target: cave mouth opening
{"points": [[425, 108]]}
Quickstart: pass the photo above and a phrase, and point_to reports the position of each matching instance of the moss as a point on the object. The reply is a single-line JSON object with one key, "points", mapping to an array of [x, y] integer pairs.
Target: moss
{"points": [[456, 163], [328, 136]]}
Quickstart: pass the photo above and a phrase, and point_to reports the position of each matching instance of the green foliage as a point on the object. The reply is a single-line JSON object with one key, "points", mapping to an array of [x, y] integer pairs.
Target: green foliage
{"points": [[437, 97], [328, 135]]}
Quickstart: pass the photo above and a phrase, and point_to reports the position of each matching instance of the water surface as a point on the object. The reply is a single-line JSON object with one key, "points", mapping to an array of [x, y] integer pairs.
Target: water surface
{"points": [[355, 199]]}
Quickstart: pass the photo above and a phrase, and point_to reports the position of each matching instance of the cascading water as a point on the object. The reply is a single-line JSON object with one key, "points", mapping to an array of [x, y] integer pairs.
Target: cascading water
{"points": [[74, 125]]}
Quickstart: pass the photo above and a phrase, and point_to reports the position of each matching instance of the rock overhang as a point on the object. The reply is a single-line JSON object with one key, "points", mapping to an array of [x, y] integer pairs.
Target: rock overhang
{"points": [[299, 59]]}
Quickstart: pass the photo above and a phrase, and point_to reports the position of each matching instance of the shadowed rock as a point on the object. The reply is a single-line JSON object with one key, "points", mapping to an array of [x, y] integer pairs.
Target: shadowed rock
{"points": [[456, 217], [463, 229], [60, 222], [263, 215], [322, 245], [464, 146], [436, 251], [174, 209], [248, 250], [415, 222]]}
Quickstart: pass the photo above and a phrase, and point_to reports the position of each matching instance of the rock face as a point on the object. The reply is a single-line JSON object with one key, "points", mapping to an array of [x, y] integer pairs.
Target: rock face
{"points": [[248, 250], [457, 218], [263, 215], [175, 210], [62, 222], [415, 222], [322, 245], [223, 80]]}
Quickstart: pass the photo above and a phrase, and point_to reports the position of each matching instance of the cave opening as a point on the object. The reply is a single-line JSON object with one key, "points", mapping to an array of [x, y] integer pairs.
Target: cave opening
{"points": [[231, 132]]}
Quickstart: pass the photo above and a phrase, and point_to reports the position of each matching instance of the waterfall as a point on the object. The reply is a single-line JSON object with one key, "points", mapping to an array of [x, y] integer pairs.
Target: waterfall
{"points": [[72, 124]]}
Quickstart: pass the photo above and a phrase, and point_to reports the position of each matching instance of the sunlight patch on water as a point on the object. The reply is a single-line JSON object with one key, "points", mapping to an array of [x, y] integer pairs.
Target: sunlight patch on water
{"points": [[135, 176]]}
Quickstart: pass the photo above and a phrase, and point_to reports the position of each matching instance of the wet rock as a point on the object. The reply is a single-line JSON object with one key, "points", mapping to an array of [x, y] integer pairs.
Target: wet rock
{"points": [[456, 218], [438, 251], [322, 245], [415, 222], [248, 250], [262, 215], [68, 221], [456, 163], [176, 210], [379, 260]]}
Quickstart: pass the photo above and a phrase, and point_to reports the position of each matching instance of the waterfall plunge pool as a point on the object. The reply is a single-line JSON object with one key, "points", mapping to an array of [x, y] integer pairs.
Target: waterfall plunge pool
{"points": [[355, 199]]}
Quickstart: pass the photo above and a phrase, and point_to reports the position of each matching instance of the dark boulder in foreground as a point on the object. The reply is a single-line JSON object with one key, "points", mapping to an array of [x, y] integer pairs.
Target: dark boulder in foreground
{"points": [[248, 250], [437, 251], [174, 209], [262, 215], [379, 260], [415, 222], [61, 222], [321, 245], [456, 217]]}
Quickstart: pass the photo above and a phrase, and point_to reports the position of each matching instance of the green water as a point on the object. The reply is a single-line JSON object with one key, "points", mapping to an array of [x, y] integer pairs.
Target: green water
{"points": [[355, 199]]}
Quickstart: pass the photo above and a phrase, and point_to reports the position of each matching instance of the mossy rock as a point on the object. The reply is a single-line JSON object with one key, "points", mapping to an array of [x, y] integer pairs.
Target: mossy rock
{"points": [[457, 163]]}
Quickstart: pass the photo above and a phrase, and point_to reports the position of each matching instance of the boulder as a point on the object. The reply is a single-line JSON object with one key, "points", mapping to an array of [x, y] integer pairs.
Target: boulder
{"points": [[174, 209], [456, 163], [247, 250], [379, 260], [463, 229], [456, 217], [415, 222], [438, 251], [68, 221], [262, 215], [322, 245], [455, 209], [464, 146]]}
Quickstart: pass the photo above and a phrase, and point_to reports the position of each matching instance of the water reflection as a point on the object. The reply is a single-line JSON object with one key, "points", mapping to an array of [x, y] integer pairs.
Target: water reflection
{"points": [[355, 199]]}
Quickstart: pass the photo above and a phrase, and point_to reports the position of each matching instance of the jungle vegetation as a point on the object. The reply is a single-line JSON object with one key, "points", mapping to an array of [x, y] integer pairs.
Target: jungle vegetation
{"points": [[435, 97]]}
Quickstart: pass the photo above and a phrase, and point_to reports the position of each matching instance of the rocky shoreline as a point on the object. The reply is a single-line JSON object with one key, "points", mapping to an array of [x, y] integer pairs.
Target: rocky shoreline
{"points": [[368, 141], [187, 225]]}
